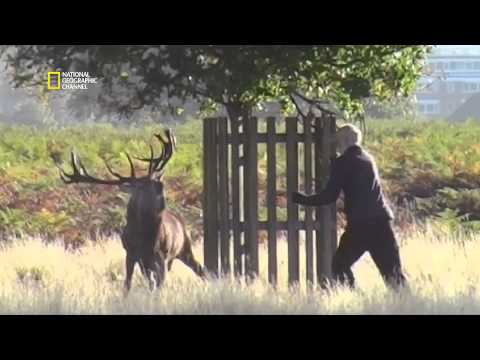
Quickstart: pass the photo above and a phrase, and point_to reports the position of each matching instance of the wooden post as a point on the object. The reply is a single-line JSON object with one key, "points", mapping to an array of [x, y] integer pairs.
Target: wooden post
{"points": [[333, 207], [327, 210], [237, 240], [292, 209], [223, 210], [324, 213], [308, 189], [210, 241], [318, 210], [272, 200], [251, 196]]}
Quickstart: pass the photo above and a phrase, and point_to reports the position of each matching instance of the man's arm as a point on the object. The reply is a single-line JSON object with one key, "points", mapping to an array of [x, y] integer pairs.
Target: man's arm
{"points": [[327, 196]]}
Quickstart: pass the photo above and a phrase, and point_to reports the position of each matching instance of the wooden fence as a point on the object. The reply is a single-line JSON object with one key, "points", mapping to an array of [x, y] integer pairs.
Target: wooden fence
{"points": [[232, 194]]}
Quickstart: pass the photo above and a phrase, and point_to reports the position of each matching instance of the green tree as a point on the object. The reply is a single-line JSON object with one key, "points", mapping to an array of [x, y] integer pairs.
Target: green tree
{"points": [[240, 78]]}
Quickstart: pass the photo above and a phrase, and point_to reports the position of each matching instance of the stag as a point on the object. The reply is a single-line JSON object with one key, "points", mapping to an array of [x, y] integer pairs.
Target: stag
{"points": [[153, 236]]}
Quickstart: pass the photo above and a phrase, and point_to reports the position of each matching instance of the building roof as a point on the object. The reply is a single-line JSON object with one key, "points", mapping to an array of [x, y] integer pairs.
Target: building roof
{"points": [[456, 50], [454, 57], [449, 77], [469, 110]]}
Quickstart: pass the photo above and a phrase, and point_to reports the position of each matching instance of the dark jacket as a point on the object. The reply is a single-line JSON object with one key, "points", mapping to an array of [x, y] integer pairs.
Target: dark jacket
{"points": [[355, 172]]}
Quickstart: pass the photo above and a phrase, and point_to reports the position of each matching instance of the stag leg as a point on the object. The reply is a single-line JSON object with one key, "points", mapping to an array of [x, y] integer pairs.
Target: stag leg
{"points": [[150, 272], [161, 269], [144, 270], [129, 264], [188, 259], [147, 273]]}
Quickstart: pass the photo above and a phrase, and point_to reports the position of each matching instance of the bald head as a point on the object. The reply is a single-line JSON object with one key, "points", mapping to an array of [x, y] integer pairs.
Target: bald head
{"points": [[346, 136]]}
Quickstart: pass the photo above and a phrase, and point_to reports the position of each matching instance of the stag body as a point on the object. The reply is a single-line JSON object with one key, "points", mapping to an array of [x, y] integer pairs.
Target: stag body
{"points": [[153, 236]]}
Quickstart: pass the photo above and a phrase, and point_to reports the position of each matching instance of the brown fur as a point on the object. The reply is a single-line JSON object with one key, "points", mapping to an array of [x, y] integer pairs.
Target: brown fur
{"points": [[153, 236], [155, 251]]}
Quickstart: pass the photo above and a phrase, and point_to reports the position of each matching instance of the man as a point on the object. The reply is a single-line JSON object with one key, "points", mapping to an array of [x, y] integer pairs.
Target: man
{"points": [[368, 215]]}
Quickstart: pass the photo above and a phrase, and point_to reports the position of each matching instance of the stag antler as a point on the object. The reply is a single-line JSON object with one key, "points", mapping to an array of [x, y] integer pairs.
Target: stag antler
{"points": [[155, 168], [81, 175], [157, 165]]}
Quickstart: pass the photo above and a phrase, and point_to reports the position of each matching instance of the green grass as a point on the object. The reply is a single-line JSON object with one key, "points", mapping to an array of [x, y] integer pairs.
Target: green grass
{"points": [[437, 163], [434, 162], [439, 152]]}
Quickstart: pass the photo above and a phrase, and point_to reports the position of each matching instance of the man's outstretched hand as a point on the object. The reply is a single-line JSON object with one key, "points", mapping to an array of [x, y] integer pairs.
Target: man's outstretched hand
{"points": [[298, 198]]}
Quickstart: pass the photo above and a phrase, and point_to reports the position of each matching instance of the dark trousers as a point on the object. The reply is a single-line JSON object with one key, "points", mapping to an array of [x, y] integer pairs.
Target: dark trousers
{"points": [[376, 237]]}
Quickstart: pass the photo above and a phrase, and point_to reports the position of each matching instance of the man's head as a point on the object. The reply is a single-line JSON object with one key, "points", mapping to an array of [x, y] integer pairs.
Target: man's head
{"points": [[347, 136]]}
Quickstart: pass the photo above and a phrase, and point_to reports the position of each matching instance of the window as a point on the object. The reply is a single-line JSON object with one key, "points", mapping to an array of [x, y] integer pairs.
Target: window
{"points": [[453, 65], [451, 87], [429, 107], [476, 65], [470, 87], [434, 87], [469, 66]]}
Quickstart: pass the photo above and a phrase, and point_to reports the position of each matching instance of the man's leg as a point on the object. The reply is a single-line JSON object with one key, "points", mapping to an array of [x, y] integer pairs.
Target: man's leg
{"points": [[348, 252], [386, 255]]}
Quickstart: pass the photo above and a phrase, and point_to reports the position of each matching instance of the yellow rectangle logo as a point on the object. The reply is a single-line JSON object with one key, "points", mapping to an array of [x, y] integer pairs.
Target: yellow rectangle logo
{"points": [[54, 80]]}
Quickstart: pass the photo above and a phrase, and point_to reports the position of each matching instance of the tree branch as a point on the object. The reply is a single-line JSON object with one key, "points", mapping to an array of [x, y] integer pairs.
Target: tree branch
{"points": [[316, 103], [299, 111]]}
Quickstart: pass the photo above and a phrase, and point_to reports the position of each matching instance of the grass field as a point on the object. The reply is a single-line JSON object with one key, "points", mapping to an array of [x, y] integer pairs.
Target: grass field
{"points": [[435, 163], [36, 278]]}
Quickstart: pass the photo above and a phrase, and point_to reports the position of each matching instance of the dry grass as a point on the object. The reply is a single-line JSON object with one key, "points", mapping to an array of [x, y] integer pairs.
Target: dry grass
{"points": [[443, 270]]}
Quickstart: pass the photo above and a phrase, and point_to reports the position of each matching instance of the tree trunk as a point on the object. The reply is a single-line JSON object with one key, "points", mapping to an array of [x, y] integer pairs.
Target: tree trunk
{"points": [[237, 111]]}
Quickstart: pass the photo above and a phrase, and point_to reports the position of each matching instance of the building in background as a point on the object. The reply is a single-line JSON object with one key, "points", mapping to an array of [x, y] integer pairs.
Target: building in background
{"points": [[452, 78]]}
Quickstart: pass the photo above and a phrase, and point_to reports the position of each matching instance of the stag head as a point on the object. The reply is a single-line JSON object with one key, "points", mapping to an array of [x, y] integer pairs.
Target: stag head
{"points": [[147, 191]]}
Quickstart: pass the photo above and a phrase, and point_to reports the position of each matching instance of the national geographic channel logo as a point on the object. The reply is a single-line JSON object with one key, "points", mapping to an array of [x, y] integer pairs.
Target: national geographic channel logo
{"points": [[69, 80]]}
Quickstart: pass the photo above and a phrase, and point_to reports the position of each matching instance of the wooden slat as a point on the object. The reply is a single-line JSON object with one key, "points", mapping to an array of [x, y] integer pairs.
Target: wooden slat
{"points": [[308, 190], [333, 207], [280, 225], [262, 138], [223, 211], [272, 200], [210, 241], [318, 188], [327, 210], [292, 209], [324, 213], [251, 196], [237, 245]]}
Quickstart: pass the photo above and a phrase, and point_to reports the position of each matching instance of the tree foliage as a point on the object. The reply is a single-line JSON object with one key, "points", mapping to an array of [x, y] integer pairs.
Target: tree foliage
{"points": [[240, 77]]}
